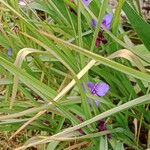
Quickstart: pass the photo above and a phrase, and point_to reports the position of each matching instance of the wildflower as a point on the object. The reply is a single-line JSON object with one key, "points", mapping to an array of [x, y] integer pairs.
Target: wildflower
{"points": [[86, 2], [107, 19], [102, 127], [106, 22], [9, 51], [99, 89]]}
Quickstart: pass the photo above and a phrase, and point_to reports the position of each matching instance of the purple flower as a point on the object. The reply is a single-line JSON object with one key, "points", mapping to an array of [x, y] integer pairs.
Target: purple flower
{"points": [[86, 2], [106, 22], [9, 51], [99, 89]]}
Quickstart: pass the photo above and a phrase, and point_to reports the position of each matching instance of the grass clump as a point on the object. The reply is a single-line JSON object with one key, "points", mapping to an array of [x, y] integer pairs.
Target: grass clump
{"points": [[74, 75]]}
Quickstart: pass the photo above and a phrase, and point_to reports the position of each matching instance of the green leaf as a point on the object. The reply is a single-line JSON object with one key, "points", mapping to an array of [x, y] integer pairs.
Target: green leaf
{"points": [[103, 143], [142, 52], [140, 26]]}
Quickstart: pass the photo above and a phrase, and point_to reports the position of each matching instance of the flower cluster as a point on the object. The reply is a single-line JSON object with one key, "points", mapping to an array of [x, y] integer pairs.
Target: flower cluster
{"points": [[106, 23]]}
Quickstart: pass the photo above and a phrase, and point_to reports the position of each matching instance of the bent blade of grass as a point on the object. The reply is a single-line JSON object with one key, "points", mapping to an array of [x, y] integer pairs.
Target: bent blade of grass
{"points": [[18, 62], [98, 58], [67, 138], [27, 123], [10, 121], [124, 53], [28, 79], [127, 40], [77, 145], [62, 93], [35, 85], [52, 52], [85, 103], [138, 101], [67, 65], [71, 101], [59, 96]]}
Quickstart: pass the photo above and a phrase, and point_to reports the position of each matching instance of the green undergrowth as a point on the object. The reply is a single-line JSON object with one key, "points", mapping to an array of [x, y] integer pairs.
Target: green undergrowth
{"points": [[47, 57]]}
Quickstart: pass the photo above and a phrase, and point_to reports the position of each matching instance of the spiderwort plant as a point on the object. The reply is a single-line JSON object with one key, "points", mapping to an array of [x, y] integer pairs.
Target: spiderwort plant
{"points": [[107, 19], [99, 89], [106, 22]]}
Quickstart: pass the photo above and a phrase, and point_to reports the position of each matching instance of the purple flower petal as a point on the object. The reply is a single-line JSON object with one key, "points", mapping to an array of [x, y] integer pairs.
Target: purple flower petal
{"points": [[9, 51], [90, 86], [107, 20], [101, 89], [86, 2]]}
